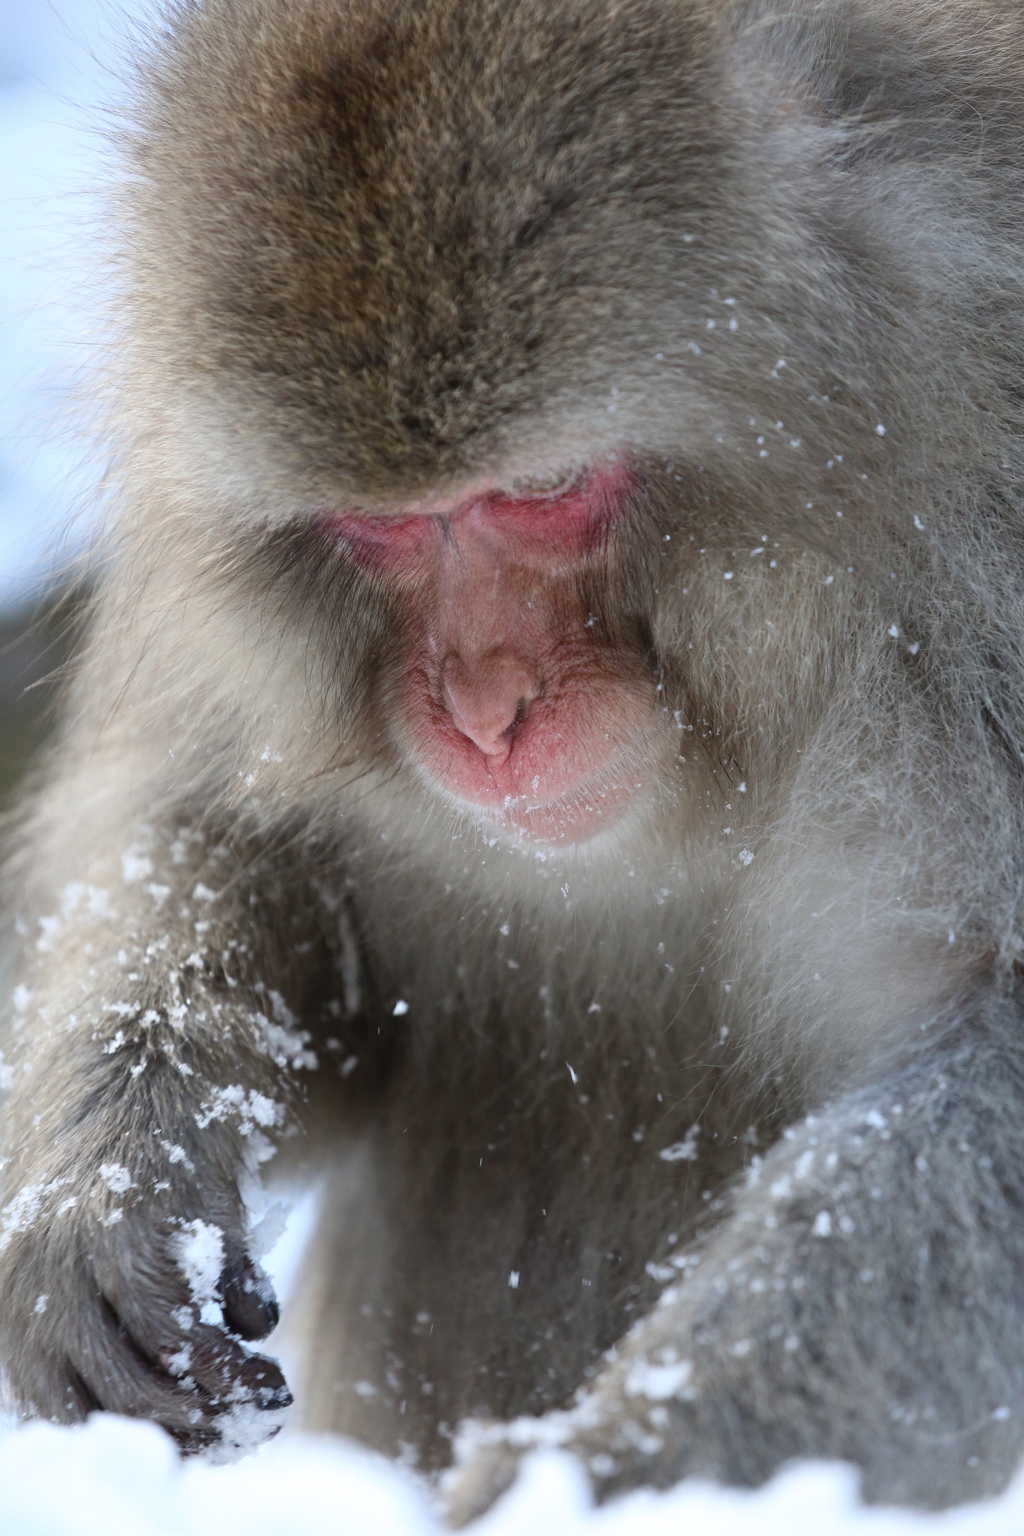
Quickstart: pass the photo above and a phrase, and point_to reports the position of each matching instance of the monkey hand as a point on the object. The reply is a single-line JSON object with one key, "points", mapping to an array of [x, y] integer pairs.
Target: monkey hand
{"points": [[125, 1292]]}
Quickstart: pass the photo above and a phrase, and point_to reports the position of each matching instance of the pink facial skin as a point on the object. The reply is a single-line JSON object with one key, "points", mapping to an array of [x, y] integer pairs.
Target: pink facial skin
{"points": [[512, 705]]}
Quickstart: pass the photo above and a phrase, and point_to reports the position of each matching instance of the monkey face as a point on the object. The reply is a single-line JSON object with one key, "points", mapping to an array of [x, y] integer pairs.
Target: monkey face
{"points": [[526, 693], [375, 343]]}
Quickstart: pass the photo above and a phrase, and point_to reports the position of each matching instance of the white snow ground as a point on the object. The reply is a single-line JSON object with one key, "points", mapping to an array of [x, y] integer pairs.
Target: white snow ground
{"points": [[54, 81], [118, 1477], [114, 1477]]}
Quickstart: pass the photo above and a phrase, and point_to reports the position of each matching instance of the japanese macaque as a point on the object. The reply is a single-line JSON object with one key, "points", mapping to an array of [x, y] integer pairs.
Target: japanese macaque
{"points": [[549, 748]]}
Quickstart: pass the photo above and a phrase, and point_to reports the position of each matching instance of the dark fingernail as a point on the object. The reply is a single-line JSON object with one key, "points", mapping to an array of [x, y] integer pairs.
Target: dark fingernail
{"points": [[263, 1378], [192, 1442], [250, 1306], [275, 1397]]}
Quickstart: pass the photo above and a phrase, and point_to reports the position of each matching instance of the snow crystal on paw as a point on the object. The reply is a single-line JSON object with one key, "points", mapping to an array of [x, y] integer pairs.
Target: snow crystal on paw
{"points": [[684, 1151], [242, 1429], [658, 1382], [116, 1177], [199, 1250], [135, 866]]}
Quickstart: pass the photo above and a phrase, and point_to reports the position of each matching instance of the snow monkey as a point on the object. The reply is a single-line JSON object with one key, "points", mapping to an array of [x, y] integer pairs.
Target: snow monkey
{"points": [[549, 744]]}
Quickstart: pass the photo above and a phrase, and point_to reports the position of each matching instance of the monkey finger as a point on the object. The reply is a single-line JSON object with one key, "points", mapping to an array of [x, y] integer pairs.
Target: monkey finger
{"points": [[188, 1382], [202, 1357], [228, 1373], [250, 1306]]}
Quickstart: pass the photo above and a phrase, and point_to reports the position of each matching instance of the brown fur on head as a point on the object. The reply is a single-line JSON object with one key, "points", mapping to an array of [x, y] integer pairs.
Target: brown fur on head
{"points": [[398, 246]]}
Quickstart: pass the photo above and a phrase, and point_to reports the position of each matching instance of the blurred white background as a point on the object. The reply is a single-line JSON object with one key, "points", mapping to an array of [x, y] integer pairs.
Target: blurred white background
{"points": [[58, 84]]}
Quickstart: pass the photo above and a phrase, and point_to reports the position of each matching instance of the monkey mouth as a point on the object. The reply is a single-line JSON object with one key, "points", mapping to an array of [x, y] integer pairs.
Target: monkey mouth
{"points": [[576, 816], [543, 785]]}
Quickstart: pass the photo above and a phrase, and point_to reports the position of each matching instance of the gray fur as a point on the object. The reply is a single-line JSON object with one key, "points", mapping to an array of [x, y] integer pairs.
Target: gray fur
{"points": [[758, 1051]]}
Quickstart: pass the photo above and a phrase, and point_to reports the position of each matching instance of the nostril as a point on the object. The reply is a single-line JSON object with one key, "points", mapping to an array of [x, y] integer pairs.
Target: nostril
{"points": [[503, 744]]}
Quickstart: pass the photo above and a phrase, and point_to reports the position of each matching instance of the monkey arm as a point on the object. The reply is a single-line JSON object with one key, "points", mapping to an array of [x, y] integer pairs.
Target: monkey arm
{"points": [[874, 1262], [152, 1057]]}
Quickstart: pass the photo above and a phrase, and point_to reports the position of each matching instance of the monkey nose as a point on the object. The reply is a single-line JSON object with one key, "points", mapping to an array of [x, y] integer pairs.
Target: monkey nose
{"points": [[487, 698]]}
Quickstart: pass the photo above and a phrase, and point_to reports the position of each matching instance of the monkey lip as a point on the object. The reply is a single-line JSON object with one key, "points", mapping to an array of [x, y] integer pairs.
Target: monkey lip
{"points": [[538, 790], [575, 816]]}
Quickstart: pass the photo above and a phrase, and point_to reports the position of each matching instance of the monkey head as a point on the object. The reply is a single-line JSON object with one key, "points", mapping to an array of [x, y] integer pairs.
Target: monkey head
{"points": [[457, 372]]}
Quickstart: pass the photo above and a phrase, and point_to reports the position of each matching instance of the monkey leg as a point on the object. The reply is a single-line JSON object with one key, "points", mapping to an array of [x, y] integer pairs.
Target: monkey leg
{"points": [[478, 1253], [148, 1064], [864, 1300]]}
